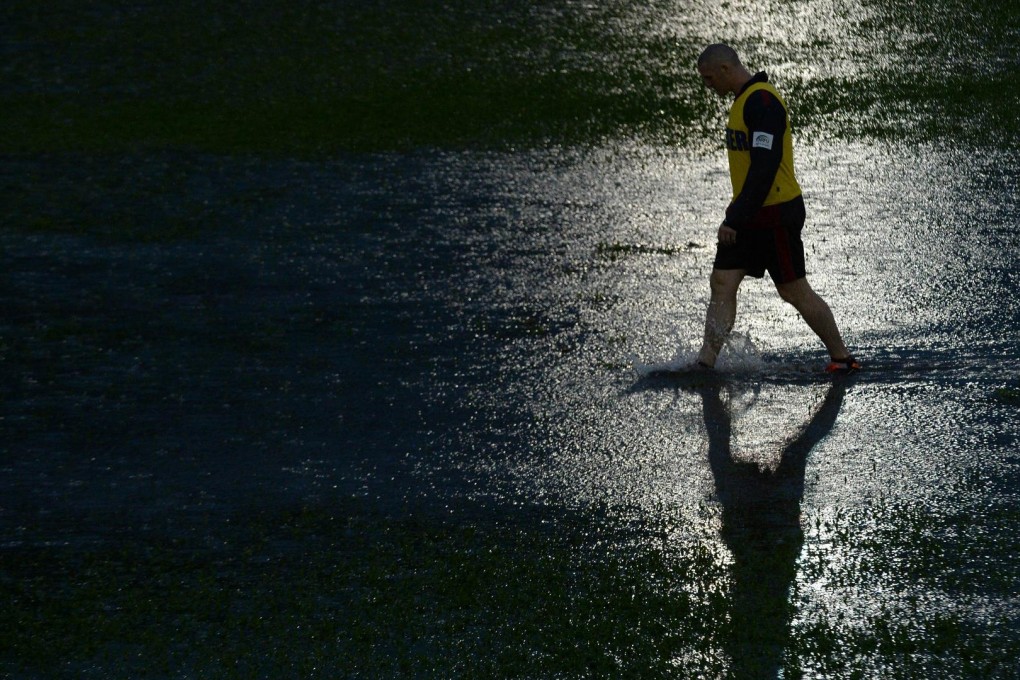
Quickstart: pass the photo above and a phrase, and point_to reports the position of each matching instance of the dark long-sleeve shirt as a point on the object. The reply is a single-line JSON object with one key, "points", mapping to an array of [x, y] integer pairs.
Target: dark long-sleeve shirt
{"points": [[762, 112]]}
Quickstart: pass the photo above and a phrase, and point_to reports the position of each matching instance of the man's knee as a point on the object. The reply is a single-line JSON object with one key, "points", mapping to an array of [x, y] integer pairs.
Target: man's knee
{"points": [[788, 295], [795, 292], [802, 296], [725, 281]]}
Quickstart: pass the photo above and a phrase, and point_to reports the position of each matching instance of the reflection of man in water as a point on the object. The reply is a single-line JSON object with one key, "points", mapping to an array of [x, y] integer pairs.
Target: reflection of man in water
{"points": [[761, 527], [763, 222]]}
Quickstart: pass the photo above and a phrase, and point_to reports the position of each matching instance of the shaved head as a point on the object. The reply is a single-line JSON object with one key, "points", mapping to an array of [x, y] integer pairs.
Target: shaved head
{"points": [[721, 70], [715, 55]]}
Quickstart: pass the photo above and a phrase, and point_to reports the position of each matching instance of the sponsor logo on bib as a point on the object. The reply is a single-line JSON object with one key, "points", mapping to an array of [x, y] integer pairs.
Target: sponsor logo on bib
{"points": [[761, 140]]}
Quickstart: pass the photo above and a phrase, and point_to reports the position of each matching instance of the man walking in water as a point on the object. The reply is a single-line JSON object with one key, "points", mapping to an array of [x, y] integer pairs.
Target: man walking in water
{"points": [[763, 222]]}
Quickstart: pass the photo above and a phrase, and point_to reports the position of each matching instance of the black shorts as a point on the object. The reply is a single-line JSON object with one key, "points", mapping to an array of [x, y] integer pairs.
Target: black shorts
{"points": [[770, 243]]}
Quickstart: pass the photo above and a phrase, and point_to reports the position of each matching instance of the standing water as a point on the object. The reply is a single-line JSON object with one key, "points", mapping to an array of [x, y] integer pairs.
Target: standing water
{"points": [[327, 364]]}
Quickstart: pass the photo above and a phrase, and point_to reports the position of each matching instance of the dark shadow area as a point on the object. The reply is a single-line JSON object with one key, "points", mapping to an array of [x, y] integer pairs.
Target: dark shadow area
{"points": [[761, 526]]}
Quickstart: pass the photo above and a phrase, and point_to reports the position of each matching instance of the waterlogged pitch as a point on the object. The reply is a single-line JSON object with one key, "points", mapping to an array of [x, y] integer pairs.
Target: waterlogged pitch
{"points": [[321, 323]]}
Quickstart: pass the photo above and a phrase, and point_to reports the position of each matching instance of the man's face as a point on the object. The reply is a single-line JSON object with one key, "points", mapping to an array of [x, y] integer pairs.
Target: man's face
{"points": [[714, 77]]}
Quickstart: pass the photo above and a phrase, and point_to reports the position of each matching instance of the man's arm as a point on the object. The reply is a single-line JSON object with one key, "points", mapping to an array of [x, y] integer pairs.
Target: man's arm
{"points": [[765, 118]]}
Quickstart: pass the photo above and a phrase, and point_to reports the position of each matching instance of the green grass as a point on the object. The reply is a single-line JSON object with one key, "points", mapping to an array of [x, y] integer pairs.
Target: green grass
{"points": [[312, 595], [308, 78], [340, 591], [1007, 395], [614, 251]]}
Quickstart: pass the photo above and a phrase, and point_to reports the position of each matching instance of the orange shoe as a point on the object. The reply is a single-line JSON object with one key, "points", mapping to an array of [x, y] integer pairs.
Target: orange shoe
{"points": [[847, 365]]}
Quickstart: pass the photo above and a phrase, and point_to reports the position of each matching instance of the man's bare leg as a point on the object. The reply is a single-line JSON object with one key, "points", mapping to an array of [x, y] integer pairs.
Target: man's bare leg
{"points": [[722, 312], [816, 313]]}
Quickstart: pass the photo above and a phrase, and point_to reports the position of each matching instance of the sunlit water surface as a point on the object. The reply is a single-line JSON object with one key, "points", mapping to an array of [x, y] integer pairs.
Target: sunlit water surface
{"points": [[388, 414], [457, 330]]}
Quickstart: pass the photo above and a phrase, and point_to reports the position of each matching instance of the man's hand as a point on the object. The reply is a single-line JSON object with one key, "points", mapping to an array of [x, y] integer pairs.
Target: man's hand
{"points": [[727, 235]]}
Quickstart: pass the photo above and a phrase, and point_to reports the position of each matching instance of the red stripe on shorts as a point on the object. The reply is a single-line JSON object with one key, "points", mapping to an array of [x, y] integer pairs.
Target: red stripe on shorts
{"points": [[784, 255]]}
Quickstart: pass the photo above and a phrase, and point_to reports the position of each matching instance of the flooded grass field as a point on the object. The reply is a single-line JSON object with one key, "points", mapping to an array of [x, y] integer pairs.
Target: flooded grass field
{"points": [[323, 325]]}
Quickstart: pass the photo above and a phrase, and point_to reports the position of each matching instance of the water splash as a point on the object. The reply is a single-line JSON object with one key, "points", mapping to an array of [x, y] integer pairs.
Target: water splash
{"points": [[740, 355]]}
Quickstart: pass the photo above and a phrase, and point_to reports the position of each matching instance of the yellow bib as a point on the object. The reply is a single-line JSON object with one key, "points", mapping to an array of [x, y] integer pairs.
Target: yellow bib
{"points": [[740, 140]]}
